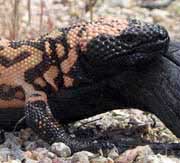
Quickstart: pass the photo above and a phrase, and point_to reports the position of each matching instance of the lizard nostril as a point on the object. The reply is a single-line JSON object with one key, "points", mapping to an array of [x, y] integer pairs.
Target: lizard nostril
{"points": [[160, 32], [163, 34]]}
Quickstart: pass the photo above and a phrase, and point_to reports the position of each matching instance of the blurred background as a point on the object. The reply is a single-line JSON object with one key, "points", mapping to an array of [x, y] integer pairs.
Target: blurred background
{"points": [[23, 19]]}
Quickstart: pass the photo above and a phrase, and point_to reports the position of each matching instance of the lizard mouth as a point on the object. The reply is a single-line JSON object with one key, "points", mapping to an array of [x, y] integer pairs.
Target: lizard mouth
{"points": [[123, 50], [113, 64], [150, 50], [153, 46]]}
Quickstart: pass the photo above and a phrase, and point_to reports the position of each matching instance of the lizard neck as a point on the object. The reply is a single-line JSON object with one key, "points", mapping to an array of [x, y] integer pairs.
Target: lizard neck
{"points": [[55, 45], [56, 52], [64, 58], [46, 73]]}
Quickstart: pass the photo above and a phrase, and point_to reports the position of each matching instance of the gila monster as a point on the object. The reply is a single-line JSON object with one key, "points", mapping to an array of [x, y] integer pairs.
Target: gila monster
{"points": [[72, 57]]}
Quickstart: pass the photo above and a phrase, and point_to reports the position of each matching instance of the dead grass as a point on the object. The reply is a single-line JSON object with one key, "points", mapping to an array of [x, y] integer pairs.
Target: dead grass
{"points": [[22, 19]]}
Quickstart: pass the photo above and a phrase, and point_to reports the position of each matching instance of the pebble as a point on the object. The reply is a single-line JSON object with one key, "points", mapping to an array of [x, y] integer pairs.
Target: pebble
{"points": [[101, 159], [27, 160], [5, 153], [60, 149], [15, 161], [28, 154], [39, 153], [157, 159], [26, 134], [132, 154], [11, 153], [61, 160], [82, 157], [46, 160], [113, 154], [51, 155], [122, 3]]}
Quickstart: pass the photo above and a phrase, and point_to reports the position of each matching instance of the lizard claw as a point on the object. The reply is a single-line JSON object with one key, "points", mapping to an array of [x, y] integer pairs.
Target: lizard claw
{"points": [[2, 136]]}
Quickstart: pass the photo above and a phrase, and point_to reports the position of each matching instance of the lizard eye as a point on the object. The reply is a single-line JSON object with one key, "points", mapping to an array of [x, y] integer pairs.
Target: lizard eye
{"points": [[129, 39]]}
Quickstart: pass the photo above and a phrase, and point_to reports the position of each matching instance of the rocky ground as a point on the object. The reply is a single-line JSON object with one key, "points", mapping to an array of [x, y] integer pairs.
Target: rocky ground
{"points": [[131, 127]]}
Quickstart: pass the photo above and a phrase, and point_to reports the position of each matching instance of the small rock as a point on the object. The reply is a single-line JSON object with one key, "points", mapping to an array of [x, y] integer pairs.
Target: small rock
{"points": [[1, 159], [59, 160], [80, 159], [132, 154], [122, 3], [113, 154], [107, 122], [60, 149], [27, 160], [39, 153], [51, 155], [110, 160], [17, 153], [25, 134], [152, 4], [5, 153], [13, 145], [82, 156], [15, 161], [101, 159], [11, 140], [156, 159], [89, 154], [13, 152], [28, 154], [46, 160]]}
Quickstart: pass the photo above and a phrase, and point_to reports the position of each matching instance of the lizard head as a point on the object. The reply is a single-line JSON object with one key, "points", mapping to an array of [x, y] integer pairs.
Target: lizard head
{"points": [[125, 43], [106, 46]]}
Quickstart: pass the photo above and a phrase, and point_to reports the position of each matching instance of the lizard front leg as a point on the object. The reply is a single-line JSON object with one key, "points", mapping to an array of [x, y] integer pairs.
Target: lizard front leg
{"points": [[41, 120]]}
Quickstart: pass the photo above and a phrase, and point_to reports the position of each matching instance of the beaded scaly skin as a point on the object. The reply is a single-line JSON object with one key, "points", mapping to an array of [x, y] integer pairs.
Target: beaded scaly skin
{"points": [[79, 55]]}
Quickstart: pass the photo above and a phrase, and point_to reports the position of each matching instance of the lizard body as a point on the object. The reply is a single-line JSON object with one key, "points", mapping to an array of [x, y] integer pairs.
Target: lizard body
{"points": [[84, 53]]}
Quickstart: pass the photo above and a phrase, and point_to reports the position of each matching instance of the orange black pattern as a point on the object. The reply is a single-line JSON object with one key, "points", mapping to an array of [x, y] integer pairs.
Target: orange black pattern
{"points": [[35, 63], [69, 57]]}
